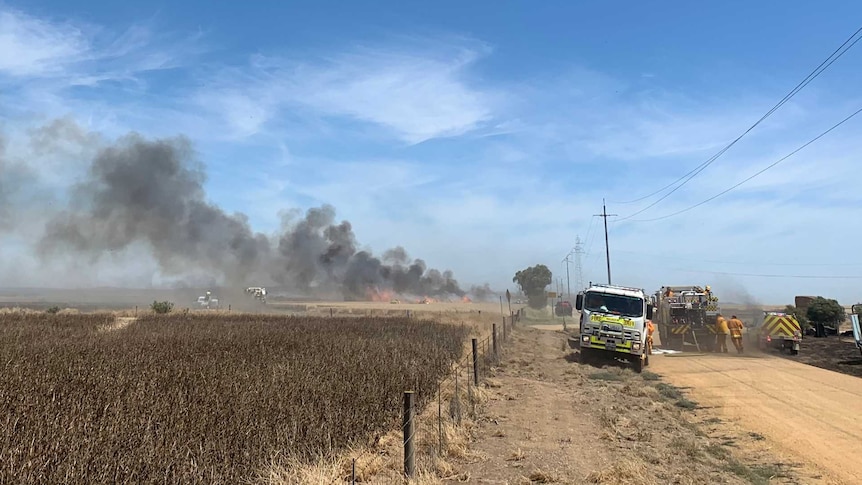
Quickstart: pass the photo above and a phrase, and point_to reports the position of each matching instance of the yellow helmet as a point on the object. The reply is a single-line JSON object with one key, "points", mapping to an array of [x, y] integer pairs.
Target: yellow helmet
{"points": [[707, 287]]}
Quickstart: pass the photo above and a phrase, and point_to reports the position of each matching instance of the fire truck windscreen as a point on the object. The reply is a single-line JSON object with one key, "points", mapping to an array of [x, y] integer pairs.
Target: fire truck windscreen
{"points": [[626, 306]]}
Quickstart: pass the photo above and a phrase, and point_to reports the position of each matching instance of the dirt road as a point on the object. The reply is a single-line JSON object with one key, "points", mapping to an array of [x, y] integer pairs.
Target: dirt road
{"points": [[810, 415], [549, 419]]}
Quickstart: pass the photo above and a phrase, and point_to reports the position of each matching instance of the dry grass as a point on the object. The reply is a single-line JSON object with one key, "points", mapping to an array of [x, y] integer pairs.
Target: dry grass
{"points": [[636, 389], [628, 472], [205, 397], [541, 476]]}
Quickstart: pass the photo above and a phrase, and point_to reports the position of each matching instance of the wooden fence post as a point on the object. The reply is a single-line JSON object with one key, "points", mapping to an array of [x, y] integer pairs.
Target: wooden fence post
{"points": [[409, 428], [475, 363], [494, 338], [440, 420]]}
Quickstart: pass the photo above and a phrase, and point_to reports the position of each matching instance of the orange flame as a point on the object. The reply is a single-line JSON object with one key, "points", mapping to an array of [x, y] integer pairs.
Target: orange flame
{"points": [[466, 299]]}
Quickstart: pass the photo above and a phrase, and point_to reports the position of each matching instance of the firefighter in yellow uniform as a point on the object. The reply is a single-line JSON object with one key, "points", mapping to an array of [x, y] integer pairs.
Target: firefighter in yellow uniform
{"points": [[721, 332], [735, 325], [650, 331]]}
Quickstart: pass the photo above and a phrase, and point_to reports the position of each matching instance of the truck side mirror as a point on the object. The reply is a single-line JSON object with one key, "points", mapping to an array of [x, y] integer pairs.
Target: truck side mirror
{"points": [[649, 311], [579, 301]]}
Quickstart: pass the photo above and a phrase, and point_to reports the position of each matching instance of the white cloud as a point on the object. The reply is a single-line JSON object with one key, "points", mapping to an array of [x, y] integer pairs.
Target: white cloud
{"points": [[30, 46], [416, 94]]}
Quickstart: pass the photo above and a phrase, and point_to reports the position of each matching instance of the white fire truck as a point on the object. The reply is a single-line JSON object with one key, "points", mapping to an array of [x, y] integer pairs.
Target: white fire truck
{"points": [[613, 324]]}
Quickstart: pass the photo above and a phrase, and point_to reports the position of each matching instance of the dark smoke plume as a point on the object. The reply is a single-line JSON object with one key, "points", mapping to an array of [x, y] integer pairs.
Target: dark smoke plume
{"points": [[147, 193]]}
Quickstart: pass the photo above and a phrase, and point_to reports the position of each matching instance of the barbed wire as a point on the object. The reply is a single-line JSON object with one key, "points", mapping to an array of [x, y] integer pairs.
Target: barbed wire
{"points": [[452, 375]]}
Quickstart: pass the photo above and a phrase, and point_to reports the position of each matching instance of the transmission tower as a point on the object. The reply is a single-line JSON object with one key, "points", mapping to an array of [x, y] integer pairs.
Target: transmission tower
{"points": [[579, 274]]}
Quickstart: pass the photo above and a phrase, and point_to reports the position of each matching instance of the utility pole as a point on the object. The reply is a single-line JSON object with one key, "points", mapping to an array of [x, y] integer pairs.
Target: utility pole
{"points": [[604, 215], [568, 281]]}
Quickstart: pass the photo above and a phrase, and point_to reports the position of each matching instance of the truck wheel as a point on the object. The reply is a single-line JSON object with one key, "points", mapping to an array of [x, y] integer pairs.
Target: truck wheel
{"points": [[638, 365], [794, 351], [584, 357]]}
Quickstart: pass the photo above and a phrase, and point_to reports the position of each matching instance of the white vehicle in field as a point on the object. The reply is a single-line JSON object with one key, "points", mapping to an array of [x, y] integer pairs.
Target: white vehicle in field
{"points": [[208, 301], [613, 324], [257, 292]]}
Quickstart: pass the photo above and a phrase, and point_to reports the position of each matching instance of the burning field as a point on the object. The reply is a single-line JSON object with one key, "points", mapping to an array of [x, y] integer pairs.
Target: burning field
{"points": [[202, 398]]}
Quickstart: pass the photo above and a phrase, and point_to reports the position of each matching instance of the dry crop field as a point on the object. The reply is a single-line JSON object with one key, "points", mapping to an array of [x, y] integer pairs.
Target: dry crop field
{"points": [[202, 398]]}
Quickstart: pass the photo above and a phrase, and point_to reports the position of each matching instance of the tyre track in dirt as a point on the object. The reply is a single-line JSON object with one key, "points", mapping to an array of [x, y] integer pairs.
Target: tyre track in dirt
{"points": [[808, 413]]}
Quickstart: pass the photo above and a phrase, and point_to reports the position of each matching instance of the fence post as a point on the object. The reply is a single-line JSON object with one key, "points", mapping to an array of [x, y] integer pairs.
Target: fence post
{"points": [[228, 308], [409, 452], [440, 419], [330, 312], [475, 363], [456, 403], [494, 338], [136, 310], [505, 333], [353, 473]]}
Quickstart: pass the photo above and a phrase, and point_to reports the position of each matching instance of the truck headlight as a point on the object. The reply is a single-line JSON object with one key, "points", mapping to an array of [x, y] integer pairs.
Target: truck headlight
{"points": [[636, 346], [585, 339]]}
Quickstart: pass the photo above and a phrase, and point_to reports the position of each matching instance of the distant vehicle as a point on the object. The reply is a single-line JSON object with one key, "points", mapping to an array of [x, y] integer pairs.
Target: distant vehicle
{"points": [[208, 301], [258, 292], [563, 308]]}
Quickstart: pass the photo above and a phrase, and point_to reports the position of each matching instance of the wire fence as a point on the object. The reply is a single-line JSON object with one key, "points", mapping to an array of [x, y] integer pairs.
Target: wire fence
{"points": [[430, 421]]}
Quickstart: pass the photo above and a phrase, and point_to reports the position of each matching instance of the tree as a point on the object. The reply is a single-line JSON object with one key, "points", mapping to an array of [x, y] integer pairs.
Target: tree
{"points": [[826, 311], [801, 316], [162, 306], [533, 281]]}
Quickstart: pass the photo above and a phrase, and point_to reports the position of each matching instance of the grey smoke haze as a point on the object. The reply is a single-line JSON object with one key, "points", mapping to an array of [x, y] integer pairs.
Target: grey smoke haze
{"points": [[149, 193], [13, 175], [4, 196], [482, 293]]}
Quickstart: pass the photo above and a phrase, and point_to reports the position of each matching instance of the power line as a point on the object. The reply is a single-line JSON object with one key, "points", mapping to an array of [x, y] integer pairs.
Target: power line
{"points": [[588, 242], [741, 263], [825, 277], [794, 152], [753, 275], [801, 85]]}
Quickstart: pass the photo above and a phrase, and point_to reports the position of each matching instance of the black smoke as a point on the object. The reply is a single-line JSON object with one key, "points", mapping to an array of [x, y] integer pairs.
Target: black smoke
{"points": [[141, 193]]}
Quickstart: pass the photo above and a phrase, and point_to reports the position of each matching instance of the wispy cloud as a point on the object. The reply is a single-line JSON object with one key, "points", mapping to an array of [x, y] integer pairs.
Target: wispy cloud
{"points": [[416, 93], [52, 68], [30, 46]]}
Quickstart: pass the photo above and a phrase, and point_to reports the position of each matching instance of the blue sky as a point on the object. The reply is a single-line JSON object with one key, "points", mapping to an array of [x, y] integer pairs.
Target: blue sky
{"points": [[481, 136]]}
